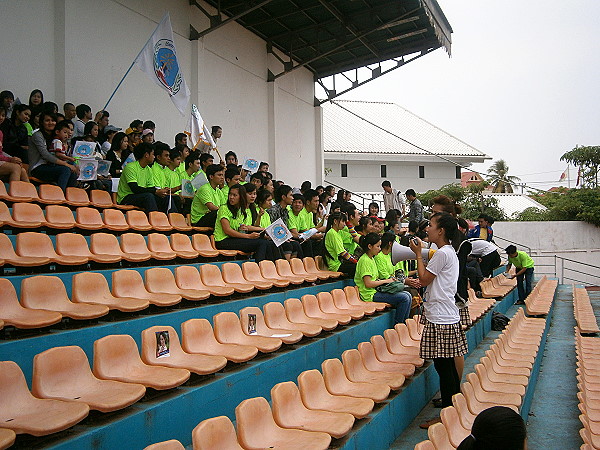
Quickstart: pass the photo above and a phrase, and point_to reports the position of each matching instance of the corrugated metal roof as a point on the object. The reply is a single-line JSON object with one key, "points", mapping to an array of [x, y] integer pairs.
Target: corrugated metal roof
{"points": [[512, 204], [344, 132]]}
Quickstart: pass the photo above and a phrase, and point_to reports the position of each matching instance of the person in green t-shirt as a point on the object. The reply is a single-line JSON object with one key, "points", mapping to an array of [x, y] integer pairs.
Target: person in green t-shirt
{"points": [[336, 256], [301, 219], [173, 179], [232, 177], [233, 228], [136, 184], [209, 198], [384, 263], [192, 169], [350, 236], [264, 200], [367, 280], [161, 163], [524, 265]]}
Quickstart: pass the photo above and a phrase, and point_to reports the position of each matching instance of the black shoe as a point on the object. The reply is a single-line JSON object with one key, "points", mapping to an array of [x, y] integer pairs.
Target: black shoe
{"points": [[437, 402]]}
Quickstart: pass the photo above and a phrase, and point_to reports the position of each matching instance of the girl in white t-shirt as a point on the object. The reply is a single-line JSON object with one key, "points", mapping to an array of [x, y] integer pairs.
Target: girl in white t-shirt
{"points": [[443, 338]]}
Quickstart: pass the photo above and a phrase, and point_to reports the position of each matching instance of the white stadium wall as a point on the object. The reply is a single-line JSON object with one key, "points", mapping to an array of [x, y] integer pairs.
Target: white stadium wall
{"points": [[78, 50]]}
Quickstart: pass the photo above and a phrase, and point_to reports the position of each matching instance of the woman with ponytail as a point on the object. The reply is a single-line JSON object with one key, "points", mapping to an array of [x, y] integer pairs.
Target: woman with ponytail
{"points": [[443, 338], [367, 279], [336, 256]]}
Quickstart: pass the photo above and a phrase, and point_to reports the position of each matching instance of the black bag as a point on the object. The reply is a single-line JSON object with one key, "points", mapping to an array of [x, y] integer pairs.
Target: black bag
{"points": [[499, 321]]}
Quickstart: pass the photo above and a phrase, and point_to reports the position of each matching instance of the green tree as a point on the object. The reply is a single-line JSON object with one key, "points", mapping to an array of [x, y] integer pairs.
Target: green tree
{"points": [[573, 204], [587, 158], [500, 178]]}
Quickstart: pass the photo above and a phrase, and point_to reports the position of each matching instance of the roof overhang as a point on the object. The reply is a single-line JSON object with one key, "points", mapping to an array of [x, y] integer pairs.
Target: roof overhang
{"points": [[403, 157], [330, 37]]}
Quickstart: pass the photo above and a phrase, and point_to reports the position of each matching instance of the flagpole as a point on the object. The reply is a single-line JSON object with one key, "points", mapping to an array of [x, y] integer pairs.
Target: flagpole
{"points": [[568, 176], [134, 60]]}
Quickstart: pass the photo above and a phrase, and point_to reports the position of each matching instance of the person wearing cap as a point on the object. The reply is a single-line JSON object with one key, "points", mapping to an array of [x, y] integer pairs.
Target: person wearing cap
{"points": [[135, 125], [148, 136], [109, 133], [496, 428]]}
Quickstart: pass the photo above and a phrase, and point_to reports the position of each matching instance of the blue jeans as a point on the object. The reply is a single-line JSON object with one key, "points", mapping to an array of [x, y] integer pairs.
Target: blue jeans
{"points": [[524, 291], [61, 175], [401, 300]]}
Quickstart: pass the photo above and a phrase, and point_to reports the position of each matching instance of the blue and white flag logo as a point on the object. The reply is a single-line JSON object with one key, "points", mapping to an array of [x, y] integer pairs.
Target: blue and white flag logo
{"points": [[166, 67], [278, 232]]}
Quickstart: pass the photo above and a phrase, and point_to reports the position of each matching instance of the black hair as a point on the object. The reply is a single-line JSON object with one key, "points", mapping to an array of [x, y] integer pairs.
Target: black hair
{"points": [[17, 109], [306, 185], [281, 192], [329, 189], [160, 147], [43, 114], [243, 203], [87, 129], [368, 239], [410, 192], [263, 163], [190, 159], [323, 196], [174, 153], [230, 173], [462, 223], [62, 124], [3, 109], [250, 188], [413, 226], [387, 240], [230, 153], [348, 209], [136, 123], [179, 137], [232, 166], [300, 197], [104, 113], [268, 175], [205, 157], [214, 129], [496, 428], [251, 206], [340, 196], [335, 205], [68, 104], [81, 110], [262, 196], [449, 224], [141, 149], [212, 169], [115, 146], [37, 91], [386, 183], [334, 217], [257, 176], [511, 249], [310, 194], [50, 106], [391, 217], [148, 124], [375, 204], [7, 94]]}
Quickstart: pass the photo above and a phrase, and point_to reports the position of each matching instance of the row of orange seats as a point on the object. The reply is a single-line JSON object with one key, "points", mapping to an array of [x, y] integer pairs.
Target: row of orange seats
{"points": [[36, 249], [583, 311], [323, 404], [501, 378], [57, 217], [497, 286], [49, 194], [478, 306], [44, 299], [588, 379], [539, 301], [120, 376]]}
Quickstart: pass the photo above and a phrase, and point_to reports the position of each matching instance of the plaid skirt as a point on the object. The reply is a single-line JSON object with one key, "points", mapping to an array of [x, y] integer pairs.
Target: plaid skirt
{"points": [[442, 340], [465, 318]]}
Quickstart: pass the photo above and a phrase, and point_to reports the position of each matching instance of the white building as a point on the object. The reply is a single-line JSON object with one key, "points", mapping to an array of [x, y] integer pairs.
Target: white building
{"points": [[366, 143]]}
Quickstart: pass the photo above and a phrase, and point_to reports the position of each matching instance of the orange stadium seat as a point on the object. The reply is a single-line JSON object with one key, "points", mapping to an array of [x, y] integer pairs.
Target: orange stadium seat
{"points": [[59, 217], [188, 277], [228, 330], [252, 273], [232, 275], [383, 354], [23, 191], [211, 276], [172, 444], [51, 195], [297, 268], [275, 317], [371, 362], [160, 280], [105, 244], [27, 215], [182, 246], [341, 302], [91, 287], [77, 197], [201, 243], [284, 270], [4, 194], [296, 314], [129, 283], [178, 222], [160, 247], [134, 246], [101, 199], [312, 309], [7, 438], [213, 433], [327, 305], [13, 313], [356, 371], [338, 383], [38, 244], [159, 221], [89, 219], [8, 255], [73, 244], [138, 221], [63, 373], [261, 328], [311, 267], [114, 220]]}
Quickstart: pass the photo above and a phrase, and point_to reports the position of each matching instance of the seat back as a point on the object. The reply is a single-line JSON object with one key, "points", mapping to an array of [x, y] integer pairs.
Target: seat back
{"points": [[451, 421], [311, 306], [255, 424], [172, 444], [159, 221], [333, 372], [227, 327], [4, 212], [211, 275], [6, 248], [181, 243], [59, 367], [339, 299], [312, 386], [188, 277], [101, 198], [134, 243], [23, 191], [89, 217], [284, 269], [28, 212], [297, 267], [72, 244], [295, 311], [158, 242], [201, 242], [51, 193], [325, 300], [215, 433], [128, 283], [158, 342], [59, 215], [160, 279], [261, 326], [138, 220], [77, 196], [44, 292], [87, 285], [115, 218], [392, 341], [35, 244], [310, 265], [105, 244], [352, 295], [178, 222], [251, 271], [14, 393], [196, 334], [268, 269], [114, 355], [439, 437], [275, 317], [232, 273], [286, 401]]}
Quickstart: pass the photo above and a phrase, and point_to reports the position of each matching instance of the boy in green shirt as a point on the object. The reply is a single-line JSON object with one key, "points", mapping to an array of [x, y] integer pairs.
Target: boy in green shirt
{"points": [[161, 162], [209, 197], [136, 184], [232, 177], [524, 265]]}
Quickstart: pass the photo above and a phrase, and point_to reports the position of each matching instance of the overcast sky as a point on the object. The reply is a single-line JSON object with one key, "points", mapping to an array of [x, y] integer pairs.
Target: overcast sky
{"points": [[523, 82]]}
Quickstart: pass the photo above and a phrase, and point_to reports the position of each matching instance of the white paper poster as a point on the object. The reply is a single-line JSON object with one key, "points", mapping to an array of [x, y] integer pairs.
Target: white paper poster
{"points": [[278, 232], [88, 169]]}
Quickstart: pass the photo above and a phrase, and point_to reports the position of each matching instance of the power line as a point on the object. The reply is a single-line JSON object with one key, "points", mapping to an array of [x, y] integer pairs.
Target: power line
{"points": [[522, 185]]}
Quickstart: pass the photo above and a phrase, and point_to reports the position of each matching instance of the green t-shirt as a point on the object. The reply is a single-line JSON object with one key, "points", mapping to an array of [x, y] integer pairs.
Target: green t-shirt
{"points": [[522, 260], [225, 191], [366, 266], [181, 168], [335, 247], [349, 243], [301, 222], [134, 173], [265, 220], [159, 175], [172, 178], [234, 222], [384, 265], [205, 194]]}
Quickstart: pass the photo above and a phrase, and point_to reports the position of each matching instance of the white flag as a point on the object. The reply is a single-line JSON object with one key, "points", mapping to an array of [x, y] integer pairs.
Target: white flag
{"points": [[197, 130], [278, 232], [158, 60]]}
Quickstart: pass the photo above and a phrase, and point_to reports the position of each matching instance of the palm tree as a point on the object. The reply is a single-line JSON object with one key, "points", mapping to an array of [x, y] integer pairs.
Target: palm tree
{"points": [[499, 177]]}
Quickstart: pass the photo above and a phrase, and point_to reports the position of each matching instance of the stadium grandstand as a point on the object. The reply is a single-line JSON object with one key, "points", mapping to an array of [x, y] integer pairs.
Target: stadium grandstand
{"points": [[203, 290]]}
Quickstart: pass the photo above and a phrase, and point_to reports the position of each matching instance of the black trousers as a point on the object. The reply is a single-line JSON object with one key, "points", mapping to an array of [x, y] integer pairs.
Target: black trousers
{"points": [[489, 263], [256, 246], [449, 381], [207, 220], [347, 267]]}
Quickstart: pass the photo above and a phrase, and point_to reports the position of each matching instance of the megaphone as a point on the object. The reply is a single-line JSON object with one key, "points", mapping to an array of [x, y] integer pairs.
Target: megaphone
{"points": [[403, 253]]}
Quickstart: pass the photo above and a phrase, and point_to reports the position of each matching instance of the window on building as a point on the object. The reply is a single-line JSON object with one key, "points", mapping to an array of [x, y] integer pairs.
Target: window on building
{"points": [[383, 171], [421, 171], [458, 173], [344, 170]]}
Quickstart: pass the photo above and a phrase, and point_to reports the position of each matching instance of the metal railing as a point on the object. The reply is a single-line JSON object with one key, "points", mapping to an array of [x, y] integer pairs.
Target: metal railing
{"points": [[363, 202]]}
